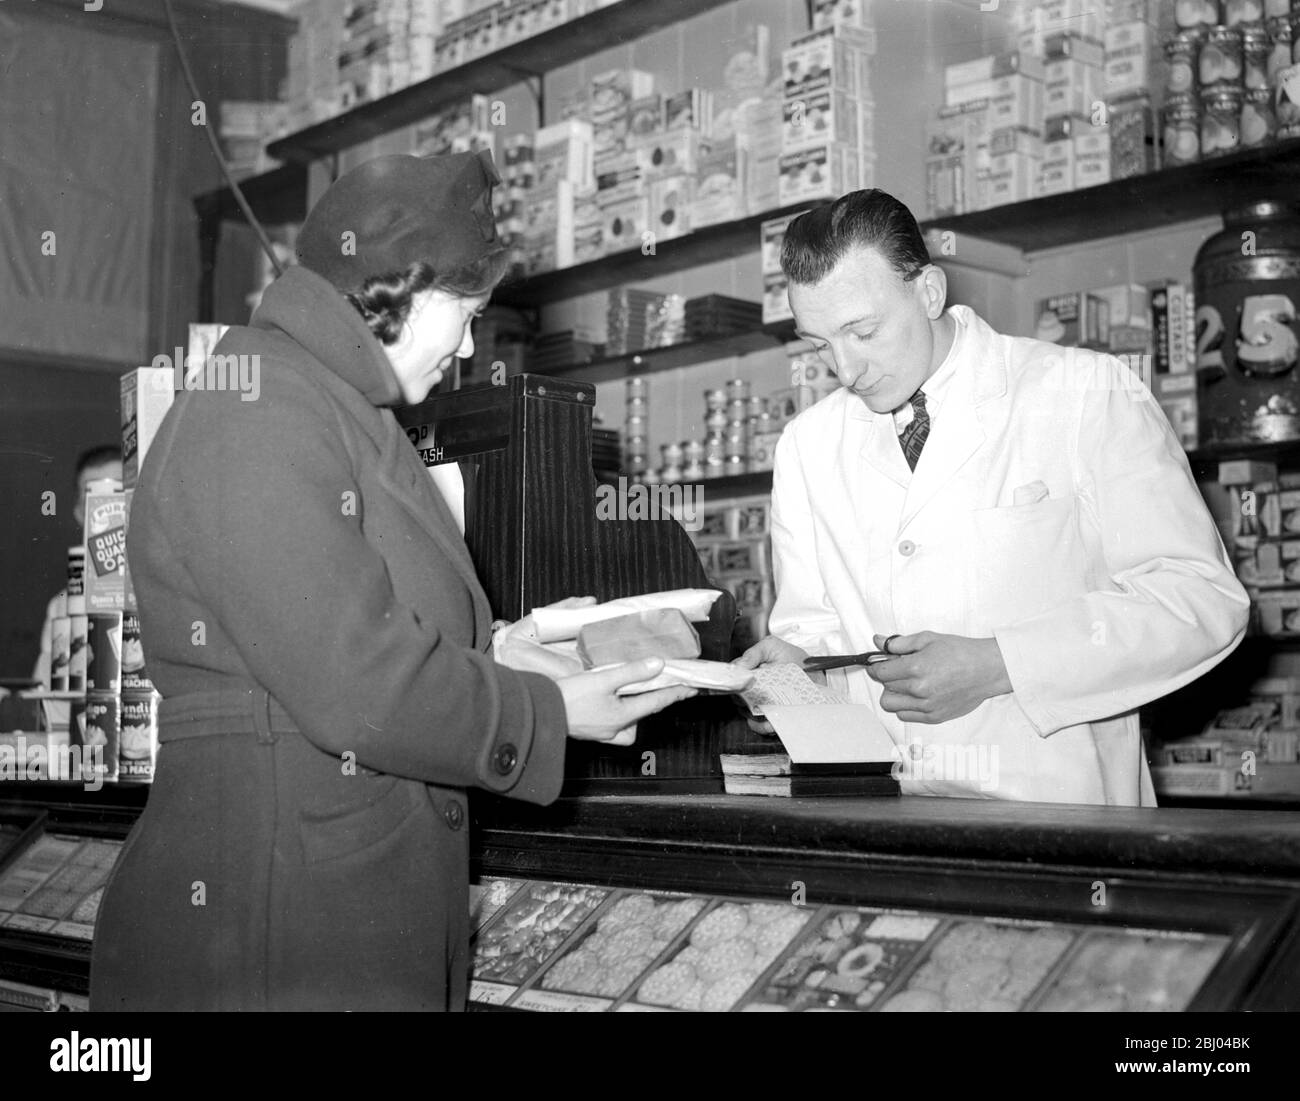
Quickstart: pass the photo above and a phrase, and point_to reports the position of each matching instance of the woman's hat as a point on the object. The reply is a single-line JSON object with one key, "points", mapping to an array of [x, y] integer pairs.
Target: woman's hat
{"points": [[392, 211]]}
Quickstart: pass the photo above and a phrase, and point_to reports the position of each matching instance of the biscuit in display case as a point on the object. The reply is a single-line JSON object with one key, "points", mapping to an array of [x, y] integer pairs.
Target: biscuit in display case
{"points": [[519, 939], [846, 961], [721, 957], [981, 966], [1133, 970], [487, 897], [608, 954]]}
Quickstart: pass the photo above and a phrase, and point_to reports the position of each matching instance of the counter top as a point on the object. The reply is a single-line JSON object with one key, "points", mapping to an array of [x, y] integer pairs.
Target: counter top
{"points": [[1249, 843]]}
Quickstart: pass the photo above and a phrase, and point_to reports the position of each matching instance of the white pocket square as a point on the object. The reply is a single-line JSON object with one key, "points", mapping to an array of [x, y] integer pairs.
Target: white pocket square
{"points": [[1030, 494]]}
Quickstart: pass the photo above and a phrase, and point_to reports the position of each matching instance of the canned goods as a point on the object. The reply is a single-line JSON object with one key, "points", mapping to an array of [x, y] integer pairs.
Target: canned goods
{"points": [[138, 745], [693, 451], [1182, 129], [80, 629], [715, 399], [735, 464], [672, 453], [1237, 12], [100, 734], [135, 678], [714, 468], [738, 389], [1182, 52], [1286, 101], [1255, 49], [60, 652], [715, 448], [636, 387], [757, 406], [738, 409], [635, 426], [104, 652], [1258, 124], [670, 474], [1279, 51], [1220, 60], [637, 407], [716, 421], [693, 471], [637, 464], [1221, 122]]}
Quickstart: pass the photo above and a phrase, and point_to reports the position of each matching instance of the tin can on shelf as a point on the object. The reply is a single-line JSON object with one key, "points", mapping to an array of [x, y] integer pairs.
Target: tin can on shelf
{"points": [[1220, 122], [1248, 333], [757, 406], [1238, 12], [1255, 50], [99, 728], [138, 741], [737, 409], [637, 407], [1279, 50], [1182, 130], [1220, 59], [104, 652], [672, 453], [737, 389], [1258, 124], [636, 388], [636, 464], [735, 464], [135, 677], [1286, 101], [716, 420], [693, 471], [1181, 53], [1196, 13], [693, 451], [715, 448], [715, 399]]}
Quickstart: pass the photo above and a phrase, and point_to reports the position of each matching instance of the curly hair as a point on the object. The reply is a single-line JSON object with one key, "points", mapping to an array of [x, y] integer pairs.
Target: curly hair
{"points": [[384, 301]]}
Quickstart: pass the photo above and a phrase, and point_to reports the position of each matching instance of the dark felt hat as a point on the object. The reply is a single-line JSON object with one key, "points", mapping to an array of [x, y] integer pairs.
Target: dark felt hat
{"points": [[392, 211]]}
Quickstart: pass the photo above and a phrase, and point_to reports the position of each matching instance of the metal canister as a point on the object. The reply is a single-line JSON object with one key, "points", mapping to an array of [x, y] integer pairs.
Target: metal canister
{"points": [[1258, 124], [138, 744], [716, 420], [1182, 130], [1248, 344], [737, 409], [715, 399], [135, 677], [1238, 12], [104, 652], [1196, 13], [1220, 60], [672, 453], [101, 733], [737, 444], [714, 469], [636, 464], [1255, 48], [735, 464], [637, 407], [1279, 51], [757, 406], [636, 388], [1286, 101], [1181, 53], [693, 471], [738, 389], [1220, 121], [693, 451], [715, 448]]}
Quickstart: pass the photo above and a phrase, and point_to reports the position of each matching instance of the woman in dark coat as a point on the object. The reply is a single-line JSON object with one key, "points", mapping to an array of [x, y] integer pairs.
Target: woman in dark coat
{"points": [[311, 616]]}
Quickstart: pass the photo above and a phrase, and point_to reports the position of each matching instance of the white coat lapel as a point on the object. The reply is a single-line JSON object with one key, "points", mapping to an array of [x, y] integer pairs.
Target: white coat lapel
{"points": [[958, 431], [881, 448]]}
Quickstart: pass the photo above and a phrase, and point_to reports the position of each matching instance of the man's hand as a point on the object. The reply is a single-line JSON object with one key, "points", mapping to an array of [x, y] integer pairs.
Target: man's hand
{"points": [[770, 651], [938, 677]]}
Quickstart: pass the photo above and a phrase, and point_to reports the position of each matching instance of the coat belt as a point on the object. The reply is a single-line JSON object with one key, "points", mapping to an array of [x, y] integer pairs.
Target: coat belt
{"points": [[223, 711]]}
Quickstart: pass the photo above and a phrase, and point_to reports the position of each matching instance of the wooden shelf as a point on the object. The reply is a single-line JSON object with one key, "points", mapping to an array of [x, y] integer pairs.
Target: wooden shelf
{"points": [[1162, 198], [723, 241], [1281, 452], [277, 197], [552, 49], [738, 485], [649, 361]]}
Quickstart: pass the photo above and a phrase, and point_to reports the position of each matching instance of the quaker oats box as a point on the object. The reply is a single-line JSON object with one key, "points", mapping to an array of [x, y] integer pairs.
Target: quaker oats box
{"points": [[105, 538]]}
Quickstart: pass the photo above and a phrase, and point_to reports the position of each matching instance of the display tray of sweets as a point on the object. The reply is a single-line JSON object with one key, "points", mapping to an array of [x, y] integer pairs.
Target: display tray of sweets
{"points": [[523, 934], [487, 897], [54, 886]]}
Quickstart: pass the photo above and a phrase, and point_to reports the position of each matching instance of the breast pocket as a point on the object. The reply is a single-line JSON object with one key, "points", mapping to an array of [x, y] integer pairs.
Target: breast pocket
{"points": [[1025, 560]]}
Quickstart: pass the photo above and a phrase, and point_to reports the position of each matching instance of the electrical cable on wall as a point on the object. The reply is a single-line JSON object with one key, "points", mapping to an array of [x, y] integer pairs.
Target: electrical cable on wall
{"points": [[262, 238]]}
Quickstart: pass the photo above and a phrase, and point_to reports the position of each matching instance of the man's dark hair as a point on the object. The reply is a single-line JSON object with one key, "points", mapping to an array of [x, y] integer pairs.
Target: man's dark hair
{"points": [[384, 301], [98, 456], [818, 240]]}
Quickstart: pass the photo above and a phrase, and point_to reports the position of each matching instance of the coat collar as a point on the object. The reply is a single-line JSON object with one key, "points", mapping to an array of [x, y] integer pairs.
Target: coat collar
{"points": [[981, 376], [314, 314]]}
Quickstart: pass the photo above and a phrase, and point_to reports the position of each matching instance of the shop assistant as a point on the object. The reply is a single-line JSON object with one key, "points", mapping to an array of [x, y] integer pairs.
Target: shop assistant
{"points": [[311, 615], [1015, 520]]}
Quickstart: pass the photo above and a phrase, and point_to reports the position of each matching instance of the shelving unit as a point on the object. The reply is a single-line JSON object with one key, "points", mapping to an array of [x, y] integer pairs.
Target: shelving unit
{"points": [[1171, 195], [531, 57]]}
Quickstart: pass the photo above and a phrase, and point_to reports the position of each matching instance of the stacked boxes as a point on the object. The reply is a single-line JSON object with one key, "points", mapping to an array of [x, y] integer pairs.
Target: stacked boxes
{"points": [[776, 303], [735, 549], [828, 115]]}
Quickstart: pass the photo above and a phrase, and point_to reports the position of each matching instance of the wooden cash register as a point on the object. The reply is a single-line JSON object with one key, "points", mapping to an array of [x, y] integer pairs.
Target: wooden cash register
{"points": [[531, 524]]}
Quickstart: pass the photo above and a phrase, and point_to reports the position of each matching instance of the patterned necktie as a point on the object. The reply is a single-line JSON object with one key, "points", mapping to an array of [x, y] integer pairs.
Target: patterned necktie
{"points": [[914, 435]]}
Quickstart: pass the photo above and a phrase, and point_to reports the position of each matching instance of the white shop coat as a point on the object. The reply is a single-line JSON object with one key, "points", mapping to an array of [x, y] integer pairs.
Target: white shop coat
{"points": [[1052, 509]]}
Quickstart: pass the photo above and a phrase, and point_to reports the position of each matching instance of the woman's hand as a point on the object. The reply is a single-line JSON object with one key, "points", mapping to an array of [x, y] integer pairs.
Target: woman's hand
{"points": [[771, 651], [596, 714]]}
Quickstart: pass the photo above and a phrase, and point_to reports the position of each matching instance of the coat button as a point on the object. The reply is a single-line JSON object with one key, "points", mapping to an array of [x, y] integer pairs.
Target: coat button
{"points": [[906, 547], [454, 815], [505, 759]]}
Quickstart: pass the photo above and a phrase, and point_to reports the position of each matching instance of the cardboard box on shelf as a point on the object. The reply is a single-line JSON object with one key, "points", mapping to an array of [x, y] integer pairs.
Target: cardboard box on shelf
{"points": [[720, 190], [1017, 101], [833, 58], [670, 201], [1133, 145], [1124, 304], [1133, 59], [104, 532], [993, 67], [1245, 472], [619, 177], [624, 224], [825, 116], [146, 395], [1073, 85], [669, 153], [645, 116], [771, 237], [1012, 178], [1176, 395], [819, 172], [776, 303], [615, 89], [564, 150], [1015, 139], [692, 109], [1091, 158]]}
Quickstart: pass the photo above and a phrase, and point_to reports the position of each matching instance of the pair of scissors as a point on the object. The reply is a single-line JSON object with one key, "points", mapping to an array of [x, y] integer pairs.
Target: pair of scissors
{"points": [[817, 665]]}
